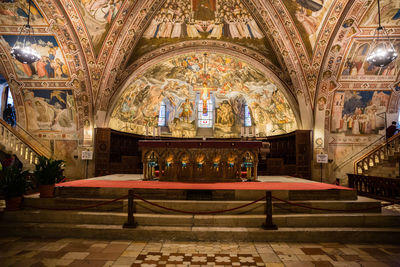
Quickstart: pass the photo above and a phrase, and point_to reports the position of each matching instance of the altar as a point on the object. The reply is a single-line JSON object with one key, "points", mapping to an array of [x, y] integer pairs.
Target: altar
{"points": [[200, 160]]}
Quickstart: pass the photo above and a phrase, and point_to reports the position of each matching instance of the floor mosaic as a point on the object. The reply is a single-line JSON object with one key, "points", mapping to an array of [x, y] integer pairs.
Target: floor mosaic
{"points": [[122, 253]]}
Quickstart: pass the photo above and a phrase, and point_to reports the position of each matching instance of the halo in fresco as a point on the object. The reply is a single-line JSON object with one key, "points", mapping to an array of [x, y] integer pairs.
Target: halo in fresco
{"points": [[226, 20], [51, 66], [189, 84]]}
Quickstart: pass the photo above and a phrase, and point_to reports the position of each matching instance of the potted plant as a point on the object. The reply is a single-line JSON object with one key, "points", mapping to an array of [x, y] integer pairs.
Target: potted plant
{"points": [[13, 183], [47, 173]]}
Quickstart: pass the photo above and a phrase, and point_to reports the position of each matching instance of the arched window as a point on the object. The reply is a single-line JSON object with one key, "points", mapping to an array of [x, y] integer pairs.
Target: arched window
{"points": [[205, 113], [247, 116], [162, 115]]}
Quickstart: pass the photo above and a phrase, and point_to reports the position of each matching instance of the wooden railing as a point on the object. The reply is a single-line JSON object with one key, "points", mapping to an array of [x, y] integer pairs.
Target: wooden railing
{"points": [[376, 187], [21, 144], [377, 155]]}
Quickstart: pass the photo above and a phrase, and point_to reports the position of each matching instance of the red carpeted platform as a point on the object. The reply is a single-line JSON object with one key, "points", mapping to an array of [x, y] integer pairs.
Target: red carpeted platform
{"points": [[264, 186]]}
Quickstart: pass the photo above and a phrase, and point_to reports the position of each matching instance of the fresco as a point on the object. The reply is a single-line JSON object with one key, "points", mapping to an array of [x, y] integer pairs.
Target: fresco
{"points": [[50, 110], [308, 16], [196, 88], [50, 67], [355, 67], [98, 16], [390, 14], [359, 112], [226, 20], [16, 13]]}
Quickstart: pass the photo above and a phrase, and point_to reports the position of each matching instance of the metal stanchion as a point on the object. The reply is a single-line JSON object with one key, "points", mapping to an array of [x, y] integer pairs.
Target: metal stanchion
{"points": [[131, 210], [268, 225]]}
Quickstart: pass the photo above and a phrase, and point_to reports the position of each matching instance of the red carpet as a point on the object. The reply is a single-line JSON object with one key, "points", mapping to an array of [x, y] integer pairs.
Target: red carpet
{"points": [[264, 186]]}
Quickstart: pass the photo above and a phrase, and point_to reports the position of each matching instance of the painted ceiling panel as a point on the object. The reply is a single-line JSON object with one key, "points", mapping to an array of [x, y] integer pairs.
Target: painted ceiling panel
{"points": [[16, 13], [308, 15], [226, 20]]}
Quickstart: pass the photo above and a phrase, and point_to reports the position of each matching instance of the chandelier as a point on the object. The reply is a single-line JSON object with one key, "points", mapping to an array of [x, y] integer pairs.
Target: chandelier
{"points": [[383, 52], [22, 50]]}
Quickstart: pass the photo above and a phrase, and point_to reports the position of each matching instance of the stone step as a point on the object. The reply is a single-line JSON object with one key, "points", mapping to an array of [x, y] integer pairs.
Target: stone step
{"points": [[295, 234], [119, 218], [362, 205], [93, 192]]}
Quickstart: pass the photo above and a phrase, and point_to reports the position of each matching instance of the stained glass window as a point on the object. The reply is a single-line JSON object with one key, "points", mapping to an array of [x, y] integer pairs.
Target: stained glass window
{"points": [[247, 116], [162, 114], [205, 119]]}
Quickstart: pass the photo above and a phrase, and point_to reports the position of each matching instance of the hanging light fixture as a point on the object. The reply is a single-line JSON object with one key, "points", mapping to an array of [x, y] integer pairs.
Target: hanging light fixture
{"points": [[22, 50], [383, 52]]}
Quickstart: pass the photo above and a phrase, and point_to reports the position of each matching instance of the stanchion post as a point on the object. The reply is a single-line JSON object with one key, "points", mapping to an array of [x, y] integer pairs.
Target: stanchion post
{"points": [[131, 210], [268, 225]]}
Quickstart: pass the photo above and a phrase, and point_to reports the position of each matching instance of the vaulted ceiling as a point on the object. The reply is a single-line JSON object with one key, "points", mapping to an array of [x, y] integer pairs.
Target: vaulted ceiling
{"points": [[307, 44]]}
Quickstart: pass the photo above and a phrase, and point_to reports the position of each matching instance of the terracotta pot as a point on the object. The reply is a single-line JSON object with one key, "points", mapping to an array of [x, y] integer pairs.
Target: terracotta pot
{"points": [[13, 203], [46, 191]]}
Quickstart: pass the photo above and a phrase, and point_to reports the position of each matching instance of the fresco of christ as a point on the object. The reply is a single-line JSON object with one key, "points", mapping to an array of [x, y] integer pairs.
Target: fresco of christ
{"points": [[204, 9]]}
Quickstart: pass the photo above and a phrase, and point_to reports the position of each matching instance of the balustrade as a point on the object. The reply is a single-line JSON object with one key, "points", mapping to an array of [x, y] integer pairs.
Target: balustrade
{"points": [[376, 187], [377, 155]]}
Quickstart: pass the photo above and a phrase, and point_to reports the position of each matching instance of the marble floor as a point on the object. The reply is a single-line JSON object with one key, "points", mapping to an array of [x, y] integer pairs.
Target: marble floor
{"points": [[85, 252]]}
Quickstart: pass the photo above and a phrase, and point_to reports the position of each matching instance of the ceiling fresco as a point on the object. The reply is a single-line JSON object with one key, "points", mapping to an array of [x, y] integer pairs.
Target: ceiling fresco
{"points": [[308, 16], [390, 14], [180, 20], [89, 48], [16, 13], [98, 16], [209, 79]]}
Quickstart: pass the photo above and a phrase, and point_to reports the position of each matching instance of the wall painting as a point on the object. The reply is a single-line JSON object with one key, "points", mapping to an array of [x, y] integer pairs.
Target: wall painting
{"points": [[359, 112], [50, 110], [356, 67], [50, 67], [196, 88]]}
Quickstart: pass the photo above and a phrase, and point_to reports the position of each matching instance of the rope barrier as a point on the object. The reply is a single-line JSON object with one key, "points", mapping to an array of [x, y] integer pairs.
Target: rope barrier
{"points": [[314, 208], [79, 208], [199, 212]]}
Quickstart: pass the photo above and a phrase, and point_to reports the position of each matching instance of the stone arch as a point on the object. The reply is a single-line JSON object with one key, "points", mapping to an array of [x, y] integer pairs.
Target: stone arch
{"points": [[253, 58]]}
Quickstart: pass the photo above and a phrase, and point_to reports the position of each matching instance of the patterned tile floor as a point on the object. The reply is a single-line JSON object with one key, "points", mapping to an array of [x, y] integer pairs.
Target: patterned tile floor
{"points": [[85, 252]]}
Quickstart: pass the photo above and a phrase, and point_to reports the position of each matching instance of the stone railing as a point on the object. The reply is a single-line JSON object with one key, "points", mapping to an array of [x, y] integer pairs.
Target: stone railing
{"points": [[27, 149], [376, 187], [377, 155]]}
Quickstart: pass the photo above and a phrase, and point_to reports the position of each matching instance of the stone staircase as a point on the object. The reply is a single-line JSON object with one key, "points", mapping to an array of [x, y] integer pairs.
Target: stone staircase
{"points": [[367, 222], [15, 140], [382, 161]]}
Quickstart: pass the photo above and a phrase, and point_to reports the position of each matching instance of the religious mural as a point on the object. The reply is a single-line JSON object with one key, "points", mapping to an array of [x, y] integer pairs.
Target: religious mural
{"points": [[202, 91], [50, 67], [225, 20], [16, 13], [359, 112], [50, 110], [390, 14], [98, 16], [356, 67], [308, 16]]}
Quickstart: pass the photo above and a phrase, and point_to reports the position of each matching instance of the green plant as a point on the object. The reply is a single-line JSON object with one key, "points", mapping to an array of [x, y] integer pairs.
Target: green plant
{"points": [[49, 171], [13, 182]]}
